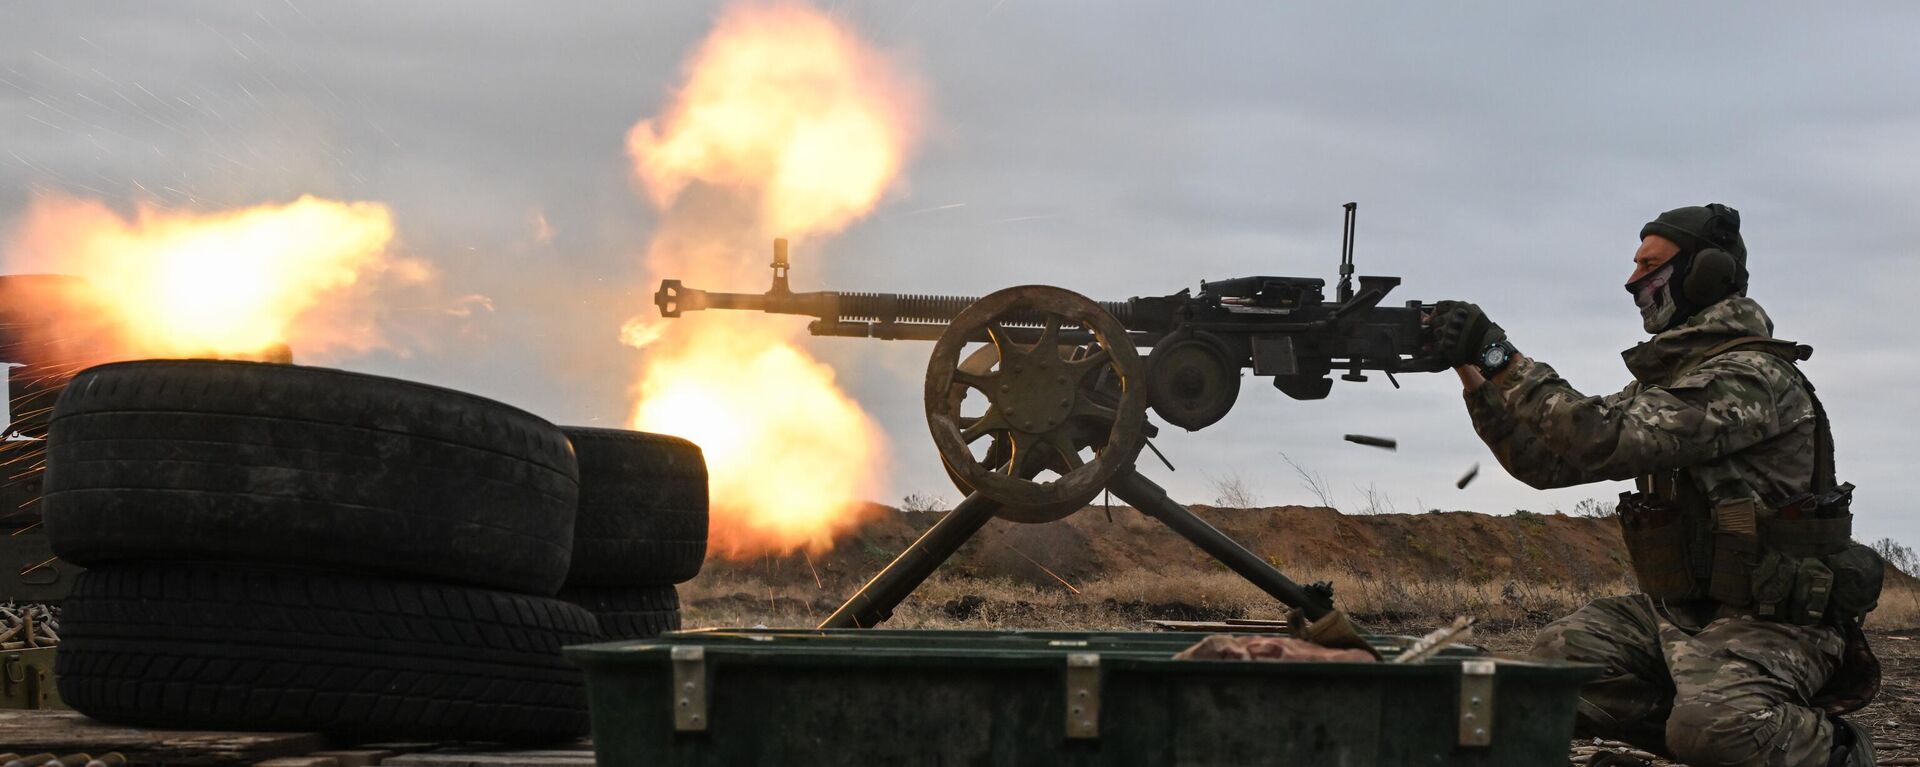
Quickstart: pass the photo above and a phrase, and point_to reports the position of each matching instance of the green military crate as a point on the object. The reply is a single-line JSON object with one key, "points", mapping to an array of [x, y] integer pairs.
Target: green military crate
{"points": [[872, 697], [26, 679]]}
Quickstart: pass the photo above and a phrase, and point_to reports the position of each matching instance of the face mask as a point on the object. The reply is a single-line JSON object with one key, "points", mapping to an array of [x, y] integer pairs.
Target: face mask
{"points": [[1654, 295]]}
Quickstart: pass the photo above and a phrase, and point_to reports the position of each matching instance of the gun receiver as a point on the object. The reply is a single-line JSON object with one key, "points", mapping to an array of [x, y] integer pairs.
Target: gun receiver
{"points": [[1279, 327]]}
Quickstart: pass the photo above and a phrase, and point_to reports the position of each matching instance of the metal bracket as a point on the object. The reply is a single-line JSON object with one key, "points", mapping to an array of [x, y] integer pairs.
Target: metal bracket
{"points": [[26, 681], [1476, 702], [689, 688], [1083, 695]]}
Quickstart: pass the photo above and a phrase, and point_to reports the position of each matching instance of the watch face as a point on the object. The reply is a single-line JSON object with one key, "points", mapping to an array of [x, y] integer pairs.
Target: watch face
{"points": [[1494, 356]]}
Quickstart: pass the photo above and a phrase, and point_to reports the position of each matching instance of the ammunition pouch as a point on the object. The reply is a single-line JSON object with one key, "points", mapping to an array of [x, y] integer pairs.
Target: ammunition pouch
{"points": [[1736, 552], [1811, 572], [1660, 541], [1773, 585], [1735, 559], [1801, 571]]}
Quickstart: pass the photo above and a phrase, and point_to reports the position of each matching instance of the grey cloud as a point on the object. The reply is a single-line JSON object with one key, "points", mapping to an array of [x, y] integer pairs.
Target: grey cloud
{"points": [[1501, 153]]}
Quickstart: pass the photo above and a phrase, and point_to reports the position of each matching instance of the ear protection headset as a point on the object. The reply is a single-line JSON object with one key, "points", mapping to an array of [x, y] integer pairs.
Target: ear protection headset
{"points": [[1715, 273]]}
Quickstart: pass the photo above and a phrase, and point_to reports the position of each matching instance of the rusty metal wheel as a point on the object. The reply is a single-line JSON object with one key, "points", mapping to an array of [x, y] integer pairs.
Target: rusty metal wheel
{"points": [[1192, 379], [999, 448], [980, 362], [1042, 407]]}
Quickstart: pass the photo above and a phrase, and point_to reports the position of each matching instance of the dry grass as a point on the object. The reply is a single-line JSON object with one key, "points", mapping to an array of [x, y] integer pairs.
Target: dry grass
{"points": [[1899, 609], [1126, 600]]}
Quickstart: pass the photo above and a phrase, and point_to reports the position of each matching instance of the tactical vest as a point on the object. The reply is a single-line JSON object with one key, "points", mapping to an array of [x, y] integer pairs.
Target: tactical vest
{"points": [[1694, 538]]}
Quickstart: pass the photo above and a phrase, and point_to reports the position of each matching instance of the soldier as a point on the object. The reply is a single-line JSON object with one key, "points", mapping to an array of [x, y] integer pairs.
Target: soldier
{"points": [[1744, 644]]}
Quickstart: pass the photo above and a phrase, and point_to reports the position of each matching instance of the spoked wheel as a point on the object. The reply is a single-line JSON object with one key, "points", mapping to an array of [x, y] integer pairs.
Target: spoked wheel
{"points": [[1043, 409], [999, 449], [981, 361]]}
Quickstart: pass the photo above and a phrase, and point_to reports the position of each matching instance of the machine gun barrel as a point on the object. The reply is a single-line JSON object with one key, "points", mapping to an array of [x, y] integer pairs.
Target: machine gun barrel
{"points": [[890, 316]]}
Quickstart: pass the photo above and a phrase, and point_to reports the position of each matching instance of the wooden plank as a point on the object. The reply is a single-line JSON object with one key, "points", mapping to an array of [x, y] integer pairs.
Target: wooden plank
{"points": [[358, 757], [300, 761], [1224, 627], [506, 758], [65, 732]]}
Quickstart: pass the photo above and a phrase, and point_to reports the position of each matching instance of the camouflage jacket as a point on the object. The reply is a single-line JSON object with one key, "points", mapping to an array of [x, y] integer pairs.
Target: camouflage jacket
{"points": [[1741, 423]]}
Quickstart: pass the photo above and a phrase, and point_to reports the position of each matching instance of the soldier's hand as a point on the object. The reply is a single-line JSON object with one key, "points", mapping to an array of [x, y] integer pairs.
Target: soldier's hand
{"points": [[1461, 331]]}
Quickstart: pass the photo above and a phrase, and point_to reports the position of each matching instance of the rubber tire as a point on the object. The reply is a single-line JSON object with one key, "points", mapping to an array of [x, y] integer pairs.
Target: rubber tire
{"points": [[258, 462], [240, 647], [642, 612], [642, 519]]}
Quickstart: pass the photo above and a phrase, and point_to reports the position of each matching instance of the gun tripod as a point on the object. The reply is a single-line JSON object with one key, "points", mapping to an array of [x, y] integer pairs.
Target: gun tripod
{"points": [[1048, 406]]}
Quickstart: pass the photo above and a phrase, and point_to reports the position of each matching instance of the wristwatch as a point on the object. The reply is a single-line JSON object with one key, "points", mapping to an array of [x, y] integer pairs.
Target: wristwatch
{"points": [[1495, 358]]}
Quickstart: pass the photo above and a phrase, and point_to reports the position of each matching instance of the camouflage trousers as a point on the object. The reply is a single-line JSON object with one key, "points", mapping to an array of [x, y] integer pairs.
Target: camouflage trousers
{"points": [[1733, 694]]}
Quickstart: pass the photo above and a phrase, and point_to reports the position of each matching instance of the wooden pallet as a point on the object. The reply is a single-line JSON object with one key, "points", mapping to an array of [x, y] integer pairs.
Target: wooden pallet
{"points": [[67, 732]]}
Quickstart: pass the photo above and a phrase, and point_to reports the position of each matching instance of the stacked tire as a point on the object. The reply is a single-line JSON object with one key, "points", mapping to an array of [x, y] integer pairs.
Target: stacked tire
{"points": [[641, 528], [274, 547]]}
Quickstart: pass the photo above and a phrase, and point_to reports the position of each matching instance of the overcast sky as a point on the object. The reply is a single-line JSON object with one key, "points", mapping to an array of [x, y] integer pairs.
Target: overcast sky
{"points": [[1505, 153]]}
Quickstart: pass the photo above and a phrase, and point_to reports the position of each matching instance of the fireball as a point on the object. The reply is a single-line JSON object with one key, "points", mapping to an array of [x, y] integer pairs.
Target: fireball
{"points": [[790, 108], [232, 283], [787, 125]]}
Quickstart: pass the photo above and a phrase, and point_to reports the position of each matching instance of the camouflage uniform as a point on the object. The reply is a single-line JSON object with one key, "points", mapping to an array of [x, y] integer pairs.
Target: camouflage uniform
{"points": [[1699, 680], [1732, 693]]}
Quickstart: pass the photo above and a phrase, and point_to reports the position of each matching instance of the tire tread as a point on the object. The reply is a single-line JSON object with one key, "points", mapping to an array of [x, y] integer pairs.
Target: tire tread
{"points": [[194, 645]]}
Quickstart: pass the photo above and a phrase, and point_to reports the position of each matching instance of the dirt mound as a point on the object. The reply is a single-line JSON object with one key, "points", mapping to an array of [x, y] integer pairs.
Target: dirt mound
{"points": [[1304, 542], [1405, 554], [1454, 545]]}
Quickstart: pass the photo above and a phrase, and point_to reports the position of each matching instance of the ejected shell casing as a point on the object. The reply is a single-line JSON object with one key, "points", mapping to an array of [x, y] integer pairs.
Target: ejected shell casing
{"points": [[70, 760], [29, 761], [109, 759], [1379, 442], [1467, 478]]}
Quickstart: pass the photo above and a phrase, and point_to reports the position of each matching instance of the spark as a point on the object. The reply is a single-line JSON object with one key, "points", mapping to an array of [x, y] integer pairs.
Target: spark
{"points": [[816, 573], [1043, 568], [1024, 218], [948, 206]]}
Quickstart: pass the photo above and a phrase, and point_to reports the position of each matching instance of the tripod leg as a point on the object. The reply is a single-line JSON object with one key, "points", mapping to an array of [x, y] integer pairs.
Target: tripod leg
{"points": [[1152, 500], [874, 602]]}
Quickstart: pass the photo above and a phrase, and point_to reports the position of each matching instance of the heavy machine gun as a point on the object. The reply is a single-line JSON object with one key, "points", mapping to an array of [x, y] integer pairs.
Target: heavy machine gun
{"points": [[1278, 327], [1067, 389]]}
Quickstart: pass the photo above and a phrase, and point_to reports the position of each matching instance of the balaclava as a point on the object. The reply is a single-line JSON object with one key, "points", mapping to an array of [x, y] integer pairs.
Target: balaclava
{"points": [[1710, 267]]}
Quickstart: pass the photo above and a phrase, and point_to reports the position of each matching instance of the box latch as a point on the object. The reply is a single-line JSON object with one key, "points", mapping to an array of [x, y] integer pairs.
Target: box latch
{"points": [[689, 688], [26, 681], [1083, 695], [1476, 703]]}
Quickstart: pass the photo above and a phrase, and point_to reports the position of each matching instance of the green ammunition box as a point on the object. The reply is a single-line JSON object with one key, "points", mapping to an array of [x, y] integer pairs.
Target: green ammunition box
{"points": [[26, 679], [746, 696]]}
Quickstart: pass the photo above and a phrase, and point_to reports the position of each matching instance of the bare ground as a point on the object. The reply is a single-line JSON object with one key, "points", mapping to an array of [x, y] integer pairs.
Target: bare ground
{"points": [[1396, 573]]}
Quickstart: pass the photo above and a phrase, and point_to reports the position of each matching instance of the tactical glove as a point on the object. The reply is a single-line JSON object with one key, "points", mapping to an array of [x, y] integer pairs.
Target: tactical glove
{"points": [[1461, 331]]}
